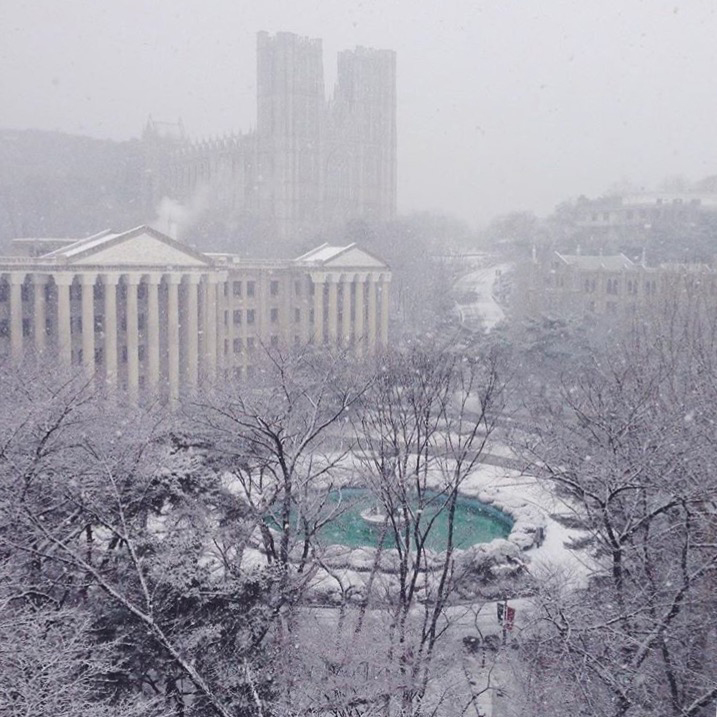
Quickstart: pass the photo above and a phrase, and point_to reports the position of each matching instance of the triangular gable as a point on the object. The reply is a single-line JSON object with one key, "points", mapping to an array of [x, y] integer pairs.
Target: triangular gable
{"points": [[142, 246], [354, 257]]}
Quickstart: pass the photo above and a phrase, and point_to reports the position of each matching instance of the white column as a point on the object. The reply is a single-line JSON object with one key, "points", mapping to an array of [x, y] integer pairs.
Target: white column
{"points": [[210, 326], [318, 282], [153, 331], [16, 281], [371, 337], [88, 322], [39, 311], [385, 285], [110, 328], [192, 329], [333, 310], [131, 282], [346, 312], [305, 308], [64, 336], [219, 319], [173, 337], [359, 303]]}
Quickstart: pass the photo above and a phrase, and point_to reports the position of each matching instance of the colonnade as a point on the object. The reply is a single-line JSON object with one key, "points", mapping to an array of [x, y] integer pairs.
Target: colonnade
{"points": [[362, 317], [164, 332], [175, 346]]}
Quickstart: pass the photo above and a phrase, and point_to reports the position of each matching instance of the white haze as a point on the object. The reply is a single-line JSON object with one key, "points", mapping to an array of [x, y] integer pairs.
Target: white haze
{"points": [[503, 105]]}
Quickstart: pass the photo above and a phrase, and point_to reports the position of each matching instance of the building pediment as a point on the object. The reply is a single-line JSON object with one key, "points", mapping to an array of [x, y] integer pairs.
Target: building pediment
{"points": [[142, 246], [335, 257]]}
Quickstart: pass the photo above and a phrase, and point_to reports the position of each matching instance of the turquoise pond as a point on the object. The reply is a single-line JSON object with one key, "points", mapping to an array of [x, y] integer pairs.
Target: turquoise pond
{"points": [[475, 522]]}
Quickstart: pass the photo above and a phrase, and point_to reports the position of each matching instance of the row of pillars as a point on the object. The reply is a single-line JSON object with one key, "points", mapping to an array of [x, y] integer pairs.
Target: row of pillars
{"points": [[368, 290], [202, 351], [190, 348]]}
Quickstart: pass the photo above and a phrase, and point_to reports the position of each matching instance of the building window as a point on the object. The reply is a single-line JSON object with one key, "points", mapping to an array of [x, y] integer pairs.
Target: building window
{"points": [[99, 323], [123, 354], [237, 317], [311, 316], [297, 316], [76, 325], [251, 344], [140, 352], [250, 316], [99, 355], [4, 327], [274, 314], [26, 330], [236, 288], [141, 321], [250, 288], [274, 288], [48, 327], [297, 287], [237, 346], [612, 286], [632, 286], [274, 341]]}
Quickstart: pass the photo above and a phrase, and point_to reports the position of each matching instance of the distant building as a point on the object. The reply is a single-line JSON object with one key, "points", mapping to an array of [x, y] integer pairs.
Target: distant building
{"points": [[572, 284], [144, 313], [642, 210], [309, 164]]}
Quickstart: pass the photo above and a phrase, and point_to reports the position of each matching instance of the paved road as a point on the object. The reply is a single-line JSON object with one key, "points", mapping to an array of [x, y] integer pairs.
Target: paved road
{"points": [[485, 312]]}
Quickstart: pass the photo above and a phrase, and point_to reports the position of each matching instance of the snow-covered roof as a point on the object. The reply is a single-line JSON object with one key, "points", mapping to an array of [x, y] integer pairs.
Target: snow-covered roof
{"points": [[321, 254], [80, 245], [614, 262], [350, 255]]}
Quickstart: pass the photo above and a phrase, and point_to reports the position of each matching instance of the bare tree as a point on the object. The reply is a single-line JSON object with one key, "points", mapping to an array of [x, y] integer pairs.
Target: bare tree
{"points": [[629, 443]]}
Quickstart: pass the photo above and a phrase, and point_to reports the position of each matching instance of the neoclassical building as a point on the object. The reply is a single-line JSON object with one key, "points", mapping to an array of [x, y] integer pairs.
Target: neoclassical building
{"points": [[146, 314]]}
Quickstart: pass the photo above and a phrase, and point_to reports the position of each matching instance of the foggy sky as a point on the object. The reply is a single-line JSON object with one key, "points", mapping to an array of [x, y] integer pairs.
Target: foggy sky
{"points": [[503, 105]]}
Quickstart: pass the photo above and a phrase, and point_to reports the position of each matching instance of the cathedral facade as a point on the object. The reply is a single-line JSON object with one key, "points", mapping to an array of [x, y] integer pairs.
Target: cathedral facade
{"points": [[311, 163]]}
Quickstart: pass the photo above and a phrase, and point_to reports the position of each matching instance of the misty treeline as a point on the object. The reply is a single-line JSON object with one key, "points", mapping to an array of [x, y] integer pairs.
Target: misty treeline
{"points": [[157, 563], [622, 428]]}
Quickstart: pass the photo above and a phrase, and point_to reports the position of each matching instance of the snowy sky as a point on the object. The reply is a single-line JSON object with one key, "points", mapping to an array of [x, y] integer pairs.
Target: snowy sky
{"points": [[503, 105]]}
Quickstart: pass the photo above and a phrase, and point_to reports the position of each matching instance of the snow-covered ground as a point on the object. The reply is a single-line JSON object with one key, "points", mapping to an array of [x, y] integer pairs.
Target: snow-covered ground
{"points": [[484, 312]]}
